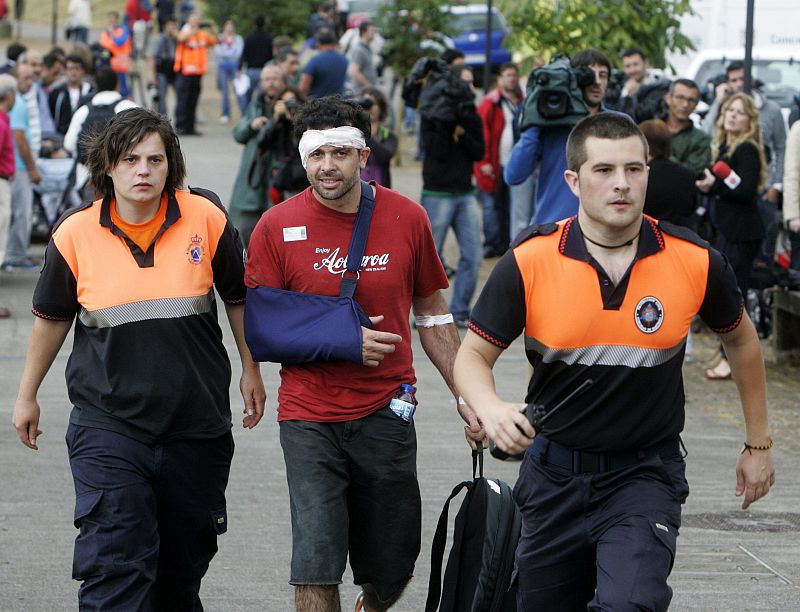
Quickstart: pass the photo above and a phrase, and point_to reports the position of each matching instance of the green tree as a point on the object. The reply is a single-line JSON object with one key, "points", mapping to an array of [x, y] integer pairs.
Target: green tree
{"points": [[282, 16], [545, 27], [406, 24]]}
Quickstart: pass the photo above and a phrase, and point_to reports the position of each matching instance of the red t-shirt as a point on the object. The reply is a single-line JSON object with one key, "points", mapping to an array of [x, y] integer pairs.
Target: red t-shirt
{"points": [[301, 245]]}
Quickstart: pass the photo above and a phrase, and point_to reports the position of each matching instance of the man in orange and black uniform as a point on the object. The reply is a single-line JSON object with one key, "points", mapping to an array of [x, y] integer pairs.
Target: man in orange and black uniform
{"points": [[191, 63], [605, 300], [149, 438], [116, 39]]}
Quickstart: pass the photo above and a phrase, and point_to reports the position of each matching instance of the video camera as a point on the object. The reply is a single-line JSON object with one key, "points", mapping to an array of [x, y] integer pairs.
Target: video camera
{"points": [[554, 95], [437, 93]]}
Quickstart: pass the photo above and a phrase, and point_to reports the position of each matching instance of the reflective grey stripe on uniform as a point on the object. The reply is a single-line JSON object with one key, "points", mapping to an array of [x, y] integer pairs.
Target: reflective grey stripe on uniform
{"points": [[605, 354], [162, 308]]}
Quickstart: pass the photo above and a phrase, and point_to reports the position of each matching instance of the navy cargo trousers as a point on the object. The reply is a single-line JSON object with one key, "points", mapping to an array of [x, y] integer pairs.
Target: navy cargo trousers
{"points": [[149, 517], [599, 530]]}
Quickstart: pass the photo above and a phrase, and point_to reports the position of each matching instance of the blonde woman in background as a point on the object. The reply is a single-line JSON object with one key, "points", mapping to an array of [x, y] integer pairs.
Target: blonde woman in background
{"points": [[737, 142]]}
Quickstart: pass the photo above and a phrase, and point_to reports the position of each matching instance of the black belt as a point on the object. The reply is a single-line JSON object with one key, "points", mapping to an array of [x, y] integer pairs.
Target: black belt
{"points": [[583, 462]]}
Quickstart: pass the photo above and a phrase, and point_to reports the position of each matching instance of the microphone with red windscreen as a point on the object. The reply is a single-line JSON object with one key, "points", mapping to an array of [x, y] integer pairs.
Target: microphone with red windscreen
{"points": [[726, 174]]}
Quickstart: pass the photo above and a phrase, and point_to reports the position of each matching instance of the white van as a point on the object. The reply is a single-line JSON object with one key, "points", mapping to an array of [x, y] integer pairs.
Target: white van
{"points": [[778, 69]]}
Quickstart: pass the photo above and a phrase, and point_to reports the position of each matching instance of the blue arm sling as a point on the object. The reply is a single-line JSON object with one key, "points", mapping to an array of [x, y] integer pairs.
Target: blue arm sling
{"points": [[292, 328]]}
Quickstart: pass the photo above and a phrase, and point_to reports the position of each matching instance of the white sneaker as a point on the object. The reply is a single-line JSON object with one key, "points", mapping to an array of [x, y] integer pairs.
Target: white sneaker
{"points": [[224, 119]]}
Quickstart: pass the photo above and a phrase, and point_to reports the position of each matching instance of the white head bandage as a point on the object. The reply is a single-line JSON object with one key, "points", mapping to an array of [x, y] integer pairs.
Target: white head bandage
{"points": [[343, 136]]}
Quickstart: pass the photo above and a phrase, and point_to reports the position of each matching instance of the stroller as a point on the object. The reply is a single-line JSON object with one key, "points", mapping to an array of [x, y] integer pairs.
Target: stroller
{"points": [[53, 196]]}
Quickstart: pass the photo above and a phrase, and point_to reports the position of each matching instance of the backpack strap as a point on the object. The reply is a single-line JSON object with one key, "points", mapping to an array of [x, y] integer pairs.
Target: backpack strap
{"points": [[440, 539], [437, 551], [358, 241], [477, 461]]}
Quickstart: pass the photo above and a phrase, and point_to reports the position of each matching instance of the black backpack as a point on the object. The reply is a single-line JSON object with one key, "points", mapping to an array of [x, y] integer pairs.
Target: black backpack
{"points": [[478, 573], [99, 115]]}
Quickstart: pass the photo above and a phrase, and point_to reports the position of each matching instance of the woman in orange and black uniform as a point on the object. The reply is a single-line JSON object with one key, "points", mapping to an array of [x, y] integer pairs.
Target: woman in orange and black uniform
{"points": [[737, 142]]}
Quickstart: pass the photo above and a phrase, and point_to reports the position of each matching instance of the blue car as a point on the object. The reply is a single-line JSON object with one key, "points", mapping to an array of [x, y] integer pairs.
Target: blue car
{"points": [[468, 29]]}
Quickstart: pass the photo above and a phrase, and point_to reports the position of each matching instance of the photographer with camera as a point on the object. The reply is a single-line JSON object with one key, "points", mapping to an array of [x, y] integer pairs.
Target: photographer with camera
{"points": [[547, 145], [250, 190], [278, 147], [382, 140], [452, 133]]}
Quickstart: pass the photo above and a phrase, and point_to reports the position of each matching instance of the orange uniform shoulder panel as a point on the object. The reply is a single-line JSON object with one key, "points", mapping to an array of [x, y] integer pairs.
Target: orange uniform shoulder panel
{"points": [[107, 273], [565, 305]]}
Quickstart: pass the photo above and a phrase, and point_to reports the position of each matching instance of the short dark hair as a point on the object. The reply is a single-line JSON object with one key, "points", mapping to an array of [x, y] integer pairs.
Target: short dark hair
{"points": [[364, 26], [120, 135], [659, 138], [608, 126], [685, 82], [450, 55], [633, 51], [508, 66], [285, 52], [259, 21], [58, 51], [325, 36], [587, 57], [75, 59], [14, 50], [106, 79], [735, 65], [51, 59], [329, 112]]}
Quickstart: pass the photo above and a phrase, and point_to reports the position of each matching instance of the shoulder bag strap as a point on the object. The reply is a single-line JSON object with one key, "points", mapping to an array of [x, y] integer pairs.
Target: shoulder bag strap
{"points": [[358, 242]]}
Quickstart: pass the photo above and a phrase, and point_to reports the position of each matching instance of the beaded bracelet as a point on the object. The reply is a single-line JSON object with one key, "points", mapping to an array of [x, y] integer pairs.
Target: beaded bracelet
{"points": [[750, 447]]}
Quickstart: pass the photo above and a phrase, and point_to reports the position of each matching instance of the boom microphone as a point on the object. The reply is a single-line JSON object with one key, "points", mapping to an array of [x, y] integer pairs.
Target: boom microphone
{"points": [[726, 174]]}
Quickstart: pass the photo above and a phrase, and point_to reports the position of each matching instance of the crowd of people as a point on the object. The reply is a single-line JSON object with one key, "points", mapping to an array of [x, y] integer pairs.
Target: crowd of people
{"points": [[598, 264]]}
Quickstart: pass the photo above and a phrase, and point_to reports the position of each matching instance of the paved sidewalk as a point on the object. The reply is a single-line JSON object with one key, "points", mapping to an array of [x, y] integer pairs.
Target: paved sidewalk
{"points": [[727, 560]]}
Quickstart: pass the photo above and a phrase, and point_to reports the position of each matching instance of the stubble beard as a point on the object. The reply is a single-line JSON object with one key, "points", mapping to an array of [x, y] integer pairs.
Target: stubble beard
{"points": [[347, 185]]}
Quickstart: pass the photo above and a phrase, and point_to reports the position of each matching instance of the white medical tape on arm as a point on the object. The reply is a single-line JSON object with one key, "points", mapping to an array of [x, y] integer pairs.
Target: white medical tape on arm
{"points": [[430, 321], [342, 136]]}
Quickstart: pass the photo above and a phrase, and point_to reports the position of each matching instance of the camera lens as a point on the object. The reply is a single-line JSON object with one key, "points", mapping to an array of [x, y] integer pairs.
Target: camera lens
{"points": [[553, 104]]}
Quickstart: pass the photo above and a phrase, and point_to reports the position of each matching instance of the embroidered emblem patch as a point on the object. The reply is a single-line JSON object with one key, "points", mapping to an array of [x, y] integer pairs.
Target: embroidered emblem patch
{"points": [[195, 250], [649, 315]]}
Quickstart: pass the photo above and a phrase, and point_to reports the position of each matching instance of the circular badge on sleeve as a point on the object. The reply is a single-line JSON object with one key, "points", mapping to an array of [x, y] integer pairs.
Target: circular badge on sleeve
{"points": [[649, 315]]}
